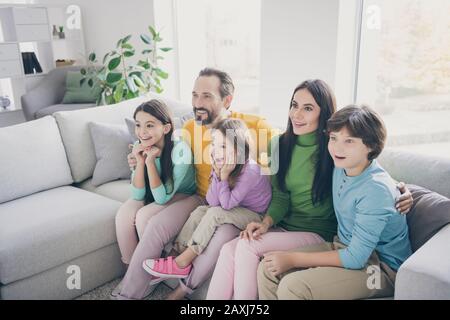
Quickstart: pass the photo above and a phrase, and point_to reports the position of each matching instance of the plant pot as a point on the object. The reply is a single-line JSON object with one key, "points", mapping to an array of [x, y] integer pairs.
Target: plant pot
{"points": [[62, 35]]}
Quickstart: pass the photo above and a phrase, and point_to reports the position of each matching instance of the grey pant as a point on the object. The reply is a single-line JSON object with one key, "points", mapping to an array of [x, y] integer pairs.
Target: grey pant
{"points": [[203, 222]]}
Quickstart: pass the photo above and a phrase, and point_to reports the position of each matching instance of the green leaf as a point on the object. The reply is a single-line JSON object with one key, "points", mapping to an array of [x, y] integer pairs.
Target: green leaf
{"points": [[161, 73], [113, 77], [158, 38], [138, 81], [128, 53], [114, 63], [83, 71], [139, 68], [130, 95], [158, 89], [119, 43], [138, 73], [165, 49], [82, 81], [92, 57], [127, 46], [118, 92], [144, 64], [131, 85], [146, 51], [125, 40], [146, 39], [91, 83], [152, 31]]}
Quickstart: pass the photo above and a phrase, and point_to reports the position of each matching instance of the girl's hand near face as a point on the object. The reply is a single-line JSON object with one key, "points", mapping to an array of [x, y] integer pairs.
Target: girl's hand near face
{"points": [[151, 154], [138, 153], [214, 165], [226, 171]]}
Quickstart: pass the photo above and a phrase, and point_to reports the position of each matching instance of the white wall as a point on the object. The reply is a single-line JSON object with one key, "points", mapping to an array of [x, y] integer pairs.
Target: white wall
{"points": [[298, 42], [105, 21]]}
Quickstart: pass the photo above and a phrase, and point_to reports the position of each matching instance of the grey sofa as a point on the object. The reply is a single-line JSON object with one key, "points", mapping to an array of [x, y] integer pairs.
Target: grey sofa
{"points": [[46, 98], [53, 219]]}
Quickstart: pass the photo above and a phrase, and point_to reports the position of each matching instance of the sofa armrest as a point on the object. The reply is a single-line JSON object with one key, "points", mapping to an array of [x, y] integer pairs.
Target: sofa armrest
{"points": [[426, 273]]}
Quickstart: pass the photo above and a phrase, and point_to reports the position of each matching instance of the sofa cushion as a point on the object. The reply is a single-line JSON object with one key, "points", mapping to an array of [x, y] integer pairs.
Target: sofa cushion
{"points": [[48, 228], [430, 212], [117, 190], [76, 93], [74, 129], [48, 111], [409, 167], [32, 159], [111, 143]]}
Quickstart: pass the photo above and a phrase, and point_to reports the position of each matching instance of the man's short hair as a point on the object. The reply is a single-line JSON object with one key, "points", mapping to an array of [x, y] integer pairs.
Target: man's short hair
{"points": [[361, 122], [226, 87]]}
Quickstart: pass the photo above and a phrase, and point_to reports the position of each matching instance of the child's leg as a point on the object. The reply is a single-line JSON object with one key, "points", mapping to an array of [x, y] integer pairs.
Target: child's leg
{"points": [[222, 281], [325, 282], [249, 253], [146, 213], [125, 228], [215, 217], [181, 242]]}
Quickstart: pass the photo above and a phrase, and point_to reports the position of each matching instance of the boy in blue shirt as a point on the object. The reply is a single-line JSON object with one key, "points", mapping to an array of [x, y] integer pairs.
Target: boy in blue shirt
{"points": [[372, 239]]}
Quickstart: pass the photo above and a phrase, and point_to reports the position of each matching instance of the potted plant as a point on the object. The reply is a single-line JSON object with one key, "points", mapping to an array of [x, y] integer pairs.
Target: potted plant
{"points": [[121, 80], [61, 32]]}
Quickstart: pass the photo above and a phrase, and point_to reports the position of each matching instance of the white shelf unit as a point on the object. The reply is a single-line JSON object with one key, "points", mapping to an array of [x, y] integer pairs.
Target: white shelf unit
{"points": [[28, 28]]}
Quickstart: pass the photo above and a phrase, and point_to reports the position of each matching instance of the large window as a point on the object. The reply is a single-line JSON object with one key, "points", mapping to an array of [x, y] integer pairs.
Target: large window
{"points": [[404, 71], [224, 35]]}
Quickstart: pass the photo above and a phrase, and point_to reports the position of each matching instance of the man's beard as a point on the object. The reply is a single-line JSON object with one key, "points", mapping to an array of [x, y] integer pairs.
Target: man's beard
{"points": [[209, 119]]}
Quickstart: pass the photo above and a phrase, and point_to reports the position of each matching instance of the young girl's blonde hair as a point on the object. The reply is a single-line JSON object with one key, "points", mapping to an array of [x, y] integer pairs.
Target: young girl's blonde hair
{"points": [[239, 136]]}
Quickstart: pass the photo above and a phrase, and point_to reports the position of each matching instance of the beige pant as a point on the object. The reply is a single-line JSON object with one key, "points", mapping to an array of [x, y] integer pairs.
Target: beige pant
{"points": [[376, 280], [202, 223]]}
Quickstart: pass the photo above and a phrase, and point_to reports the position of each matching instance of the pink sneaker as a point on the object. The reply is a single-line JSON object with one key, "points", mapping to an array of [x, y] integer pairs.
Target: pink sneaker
{"points": [[165, 268]]}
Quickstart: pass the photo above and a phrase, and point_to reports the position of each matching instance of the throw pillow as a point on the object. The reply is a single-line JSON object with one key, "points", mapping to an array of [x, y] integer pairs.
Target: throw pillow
{"points": [[429, 213], [79, 94], [111, 143]]}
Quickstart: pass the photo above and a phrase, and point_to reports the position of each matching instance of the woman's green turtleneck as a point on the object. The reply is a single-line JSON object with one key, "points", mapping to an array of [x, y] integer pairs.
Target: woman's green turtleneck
{"points": [[293, 210]]}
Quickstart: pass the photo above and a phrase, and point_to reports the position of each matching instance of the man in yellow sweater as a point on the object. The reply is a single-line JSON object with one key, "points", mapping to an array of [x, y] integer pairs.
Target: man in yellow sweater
{"points": [[211, 99]]}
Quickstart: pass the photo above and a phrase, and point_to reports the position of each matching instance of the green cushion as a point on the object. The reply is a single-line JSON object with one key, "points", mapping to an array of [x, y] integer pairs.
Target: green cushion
{"points": [[79, 94]]}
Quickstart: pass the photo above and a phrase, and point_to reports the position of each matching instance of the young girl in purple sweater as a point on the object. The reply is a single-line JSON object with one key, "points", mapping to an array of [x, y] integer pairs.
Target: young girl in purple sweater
{"points": [[238, 194]]}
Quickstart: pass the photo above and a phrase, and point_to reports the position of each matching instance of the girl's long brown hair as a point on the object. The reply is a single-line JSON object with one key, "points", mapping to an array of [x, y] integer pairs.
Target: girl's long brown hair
{"points": [[239, 136], [159, 110]]}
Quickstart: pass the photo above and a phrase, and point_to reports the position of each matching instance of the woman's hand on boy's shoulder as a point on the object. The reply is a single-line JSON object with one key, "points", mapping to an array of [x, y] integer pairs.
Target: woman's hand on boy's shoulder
{"points": [[405, 201]]}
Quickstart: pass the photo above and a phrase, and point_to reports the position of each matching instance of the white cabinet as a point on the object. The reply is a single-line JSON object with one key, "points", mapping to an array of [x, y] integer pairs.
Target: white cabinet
{"points": [[10, 69], [9, 51], [29, 32], [28, 28], [30, 15]]}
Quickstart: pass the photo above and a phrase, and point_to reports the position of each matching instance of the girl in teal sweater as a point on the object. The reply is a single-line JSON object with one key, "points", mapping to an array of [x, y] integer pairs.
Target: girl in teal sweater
{"points": [[163, 175]]}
